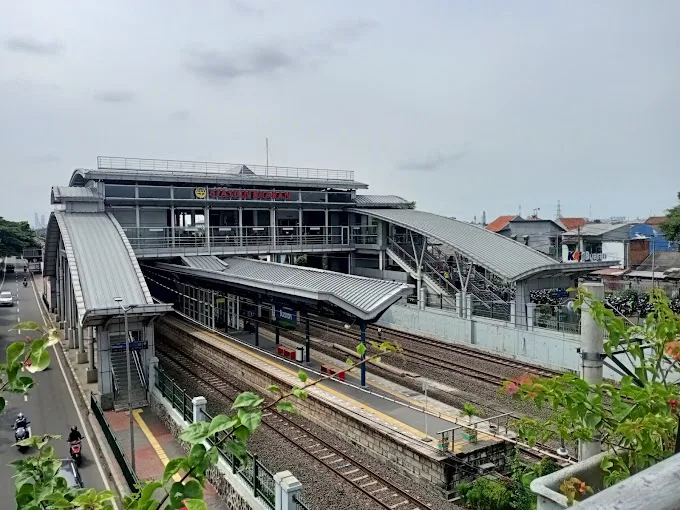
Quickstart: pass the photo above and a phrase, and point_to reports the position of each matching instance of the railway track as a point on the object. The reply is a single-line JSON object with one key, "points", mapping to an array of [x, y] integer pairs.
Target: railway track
{"points": [[380, 490]]}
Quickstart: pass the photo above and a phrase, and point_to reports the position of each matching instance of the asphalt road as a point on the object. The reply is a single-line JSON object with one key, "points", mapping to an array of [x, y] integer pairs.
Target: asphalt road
{"points": [[49, 406]]}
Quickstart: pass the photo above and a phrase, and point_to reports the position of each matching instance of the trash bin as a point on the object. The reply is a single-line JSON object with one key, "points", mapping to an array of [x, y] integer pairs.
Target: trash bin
{"points": [[299, 353]]}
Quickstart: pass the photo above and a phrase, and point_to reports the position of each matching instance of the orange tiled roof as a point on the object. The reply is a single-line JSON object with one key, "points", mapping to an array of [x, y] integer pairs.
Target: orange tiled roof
{"points": [[500, 223], [572, 223], [654, 220]]}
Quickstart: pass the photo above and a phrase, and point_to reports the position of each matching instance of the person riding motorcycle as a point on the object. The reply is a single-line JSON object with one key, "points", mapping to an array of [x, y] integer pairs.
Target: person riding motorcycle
{"points": [[25, 282], [20, 422], [74, 435]]}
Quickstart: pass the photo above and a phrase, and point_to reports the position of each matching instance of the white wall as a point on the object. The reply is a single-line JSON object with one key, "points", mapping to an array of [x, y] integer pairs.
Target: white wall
{"points": [[615, 250], [541, 346]]}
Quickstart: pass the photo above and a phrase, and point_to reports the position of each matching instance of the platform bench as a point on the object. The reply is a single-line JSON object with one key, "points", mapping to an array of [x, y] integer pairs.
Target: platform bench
{"points": [[327, 369]]}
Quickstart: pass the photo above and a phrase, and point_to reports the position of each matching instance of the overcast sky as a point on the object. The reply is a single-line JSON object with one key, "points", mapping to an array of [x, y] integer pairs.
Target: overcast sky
{"points": [[461, 106]]}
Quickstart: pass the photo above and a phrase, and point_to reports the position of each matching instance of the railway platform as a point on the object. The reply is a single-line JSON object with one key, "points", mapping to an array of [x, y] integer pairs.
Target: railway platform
{"points": [[396, 406]]}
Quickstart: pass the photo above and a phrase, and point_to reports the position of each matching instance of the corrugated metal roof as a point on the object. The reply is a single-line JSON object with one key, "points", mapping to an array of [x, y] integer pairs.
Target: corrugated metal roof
{"points": [[75, 194], [363, 297], [104, 264], [204, 262], [379, 200], [661, 261], [596, 229], [499, 254]]}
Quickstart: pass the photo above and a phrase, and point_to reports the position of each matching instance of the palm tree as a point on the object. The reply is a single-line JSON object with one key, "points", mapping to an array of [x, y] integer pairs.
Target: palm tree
{"points": [[469, 410]]}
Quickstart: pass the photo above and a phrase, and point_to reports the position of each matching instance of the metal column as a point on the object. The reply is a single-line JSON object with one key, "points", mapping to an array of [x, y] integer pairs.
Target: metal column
{"points": [[363, 356], [307, 340]]}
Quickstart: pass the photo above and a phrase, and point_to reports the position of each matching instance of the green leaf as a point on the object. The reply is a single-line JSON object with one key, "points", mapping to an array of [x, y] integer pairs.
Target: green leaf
{"points": [[192, 489], [195, 433], [361, 349], [349, 361], [299, 393], [247, 399], [176, 493], [274, 388], [105, 496], [150, 488], [222, 422], [171, 468], [606, 464], [250, 419], [196, 454], [302, 375], [285, 406], [14, 351], [40, 360], [591, 420], [26, 326], [242, 433], [620, 410], [237, 449], [195, 504], [61, 503], [2, 404]]}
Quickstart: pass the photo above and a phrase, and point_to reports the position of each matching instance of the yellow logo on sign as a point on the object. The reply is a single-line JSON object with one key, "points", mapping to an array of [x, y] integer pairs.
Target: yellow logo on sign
{"points": [[200, 192]]}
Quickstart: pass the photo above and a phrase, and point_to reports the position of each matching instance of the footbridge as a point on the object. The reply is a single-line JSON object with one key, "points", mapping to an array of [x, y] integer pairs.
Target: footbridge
{"points": [[465, 265], [92, 282]]}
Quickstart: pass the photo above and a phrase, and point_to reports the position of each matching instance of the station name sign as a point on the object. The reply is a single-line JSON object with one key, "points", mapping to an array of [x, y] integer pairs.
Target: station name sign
{"points": [[585, 256], [240, 194]]}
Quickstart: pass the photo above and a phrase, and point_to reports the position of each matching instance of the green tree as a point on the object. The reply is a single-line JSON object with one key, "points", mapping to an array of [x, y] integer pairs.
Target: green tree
{"points": [[637, 420], [38, 485], [671, 225], [469, 410], [15, 236]]}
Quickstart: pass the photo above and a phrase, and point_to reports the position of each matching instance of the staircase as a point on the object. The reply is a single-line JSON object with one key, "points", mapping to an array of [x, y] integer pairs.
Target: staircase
{"points": [[119, 370]]}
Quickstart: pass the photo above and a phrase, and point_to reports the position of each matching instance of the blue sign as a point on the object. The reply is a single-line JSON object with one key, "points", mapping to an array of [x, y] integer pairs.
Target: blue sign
{"points": [[286, 315], [134, 346]]}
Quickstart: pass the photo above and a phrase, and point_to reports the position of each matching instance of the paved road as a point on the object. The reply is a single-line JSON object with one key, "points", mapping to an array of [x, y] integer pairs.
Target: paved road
{"points": [[49, 407]]}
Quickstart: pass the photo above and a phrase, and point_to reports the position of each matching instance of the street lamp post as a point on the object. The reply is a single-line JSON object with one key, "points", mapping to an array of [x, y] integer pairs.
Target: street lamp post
{"points": [[129, 381]]}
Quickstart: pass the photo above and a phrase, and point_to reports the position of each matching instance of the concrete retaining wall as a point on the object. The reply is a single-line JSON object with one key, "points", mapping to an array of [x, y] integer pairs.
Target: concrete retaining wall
{"points": [[379, 442]]}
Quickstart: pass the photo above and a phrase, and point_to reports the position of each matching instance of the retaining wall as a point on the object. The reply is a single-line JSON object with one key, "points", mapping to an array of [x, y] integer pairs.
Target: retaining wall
{"points": [[409, 456]]}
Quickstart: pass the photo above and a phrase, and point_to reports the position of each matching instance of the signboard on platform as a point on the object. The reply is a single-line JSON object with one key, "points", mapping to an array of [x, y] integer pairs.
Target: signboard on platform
{"points": [[134, 346], [286, 315], [243, 194]]}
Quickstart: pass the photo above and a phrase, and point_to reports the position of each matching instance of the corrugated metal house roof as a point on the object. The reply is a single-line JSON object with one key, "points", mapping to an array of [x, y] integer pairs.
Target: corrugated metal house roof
{"points": [[499, 254], [596, 229], [362, 297], [662, 261]]}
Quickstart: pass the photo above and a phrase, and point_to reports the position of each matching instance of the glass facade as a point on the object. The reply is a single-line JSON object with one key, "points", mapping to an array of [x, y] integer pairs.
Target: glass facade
{"points": [[154, 192], [120, 191]]}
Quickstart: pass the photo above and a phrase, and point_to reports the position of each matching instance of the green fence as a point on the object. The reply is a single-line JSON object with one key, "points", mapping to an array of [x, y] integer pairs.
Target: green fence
{"points": [[258, 477], [130, 475]]}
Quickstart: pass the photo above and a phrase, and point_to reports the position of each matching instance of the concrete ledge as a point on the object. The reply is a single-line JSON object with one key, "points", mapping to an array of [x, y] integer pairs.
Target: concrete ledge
{"points": [[81, 358]]}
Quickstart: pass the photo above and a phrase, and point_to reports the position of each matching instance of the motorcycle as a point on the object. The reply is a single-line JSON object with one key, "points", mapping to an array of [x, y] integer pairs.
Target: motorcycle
{"points": [[21, 433], [25, 283], [74, 450]]}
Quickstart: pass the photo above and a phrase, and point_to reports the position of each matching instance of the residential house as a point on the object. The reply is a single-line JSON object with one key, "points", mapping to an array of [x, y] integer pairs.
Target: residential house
{"points": [[501, 222], [541, 235], [598, 241]]}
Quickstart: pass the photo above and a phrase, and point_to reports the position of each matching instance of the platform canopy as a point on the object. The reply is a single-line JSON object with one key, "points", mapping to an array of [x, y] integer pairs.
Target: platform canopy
{"points": [[505, 257], [101, 264], [303, 287]]}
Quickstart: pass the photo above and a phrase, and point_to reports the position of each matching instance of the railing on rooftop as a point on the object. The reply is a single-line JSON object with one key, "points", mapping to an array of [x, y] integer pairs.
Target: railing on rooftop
{"points": [[176, 166]]}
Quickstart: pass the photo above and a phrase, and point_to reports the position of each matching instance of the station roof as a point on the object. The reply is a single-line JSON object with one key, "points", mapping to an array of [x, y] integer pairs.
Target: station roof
{"points": [[501, 255], [357, 296], [380, 201], [202, 173], [102, 266], [597, 229], [74, 194]]}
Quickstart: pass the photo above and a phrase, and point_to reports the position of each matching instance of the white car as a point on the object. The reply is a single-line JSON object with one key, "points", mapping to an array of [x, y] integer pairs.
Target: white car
{"points": [[6, 298]]}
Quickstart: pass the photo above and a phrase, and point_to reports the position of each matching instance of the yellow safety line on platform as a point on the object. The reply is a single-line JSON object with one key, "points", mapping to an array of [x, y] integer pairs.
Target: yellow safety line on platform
{"points": [[154, 442], [417, 433]]}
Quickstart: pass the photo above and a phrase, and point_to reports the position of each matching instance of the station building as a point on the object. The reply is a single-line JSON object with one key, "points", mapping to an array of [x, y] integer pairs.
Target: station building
{"points": [[111, 223]]}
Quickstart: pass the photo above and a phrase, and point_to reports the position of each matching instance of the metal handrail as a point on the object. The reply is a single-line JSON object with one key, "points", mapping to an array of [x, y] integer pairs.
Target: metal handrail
{"points": [[140, 370], [170, 166]]}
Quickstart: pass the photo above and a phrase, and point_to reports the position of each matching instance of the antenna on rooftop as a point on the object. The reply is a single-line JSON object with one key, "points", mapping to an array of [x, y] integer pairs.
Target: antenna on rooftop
{"points": [[519, 211], [559, 210]]}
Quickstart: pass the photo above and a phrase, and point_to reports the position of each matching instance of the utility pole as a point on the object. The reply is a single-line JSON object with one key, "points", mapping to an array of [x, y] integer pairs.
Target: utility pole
{"points": [[129, 381], [653, 251], [592, 357], [266, 142]]}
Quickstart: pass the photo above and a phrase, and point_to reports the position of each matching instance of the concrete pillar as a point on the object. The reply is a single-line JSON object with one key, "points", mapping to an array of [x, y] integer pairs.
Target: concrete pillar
{"points": [[512, 313], [91, 373], [381, 260], [531, 313], [468, 306], [459, 304], [285, 487], [153, 366], [82, 355], [308, 343], [199, 404], [326, 228], [592, 355], [363, 356], [419, 292], [300, 230], [272, 226]]}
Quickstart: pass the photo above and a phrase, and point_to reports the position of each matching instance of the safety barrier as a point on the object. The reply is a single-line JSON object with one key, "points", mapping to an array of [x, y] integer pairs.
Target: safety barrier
{"points": [[299, 505], [178, 397], [128, 473]]}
